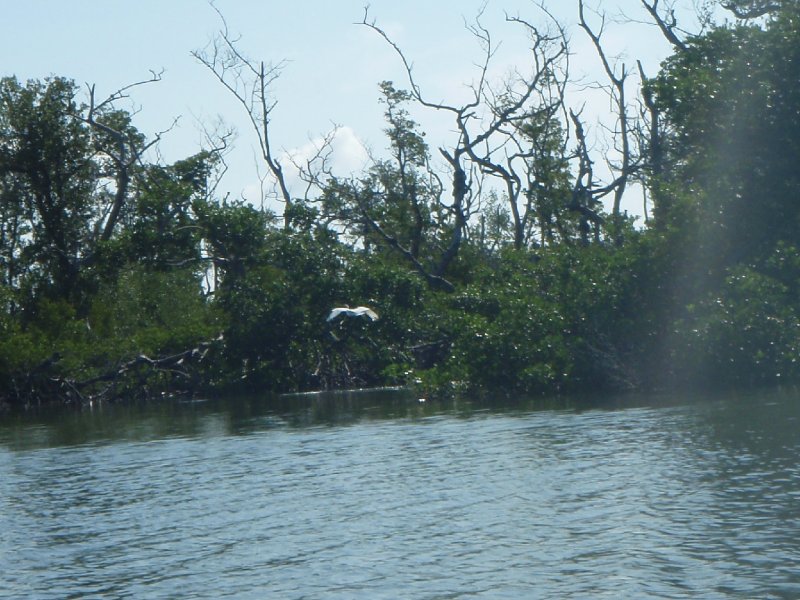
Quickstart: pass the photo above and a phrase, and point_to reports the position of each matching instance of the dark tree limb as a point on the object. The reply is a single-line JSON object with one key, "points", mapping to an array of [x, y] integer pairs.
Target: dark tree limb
{"points": [[489, 146], [653, 142], [583, 199], [125, 150], [250, 82], [617, 92], [173, 365], [667, 24], [434, 279]]}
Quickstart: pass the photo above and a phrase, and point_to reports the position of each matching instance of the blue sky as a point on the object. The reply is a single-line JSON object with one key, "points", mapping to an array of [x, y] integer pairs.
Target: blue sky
{"points": [[333, 65]]}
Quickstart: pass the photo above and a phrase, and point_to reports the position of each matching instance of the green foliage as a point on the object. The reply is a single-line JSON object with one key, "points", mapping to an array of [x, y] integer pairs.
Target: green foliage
{"points": [[160, 225], [394, 207], [235, 236], [263, 320], [47, 179], [749, 9], [746, 334], [521, 348], [548, 197], [731, 100], [533, 303], [149, 312]]}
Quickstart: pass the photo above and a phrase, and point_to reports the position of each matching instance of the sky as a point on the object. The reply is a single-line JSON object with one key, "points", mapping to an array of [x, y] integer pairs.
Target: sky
{"points": [[332, 70]]}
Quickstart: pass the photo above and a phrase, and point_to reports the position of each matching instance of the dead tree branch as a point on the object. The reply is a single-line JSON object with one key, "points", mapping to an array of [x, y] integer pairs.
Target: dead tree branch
{"points": [[622, 133], [315, 170], [124, 150], [250, 82], [668, 24], [584, 199], [487, 123], [174, 366]]}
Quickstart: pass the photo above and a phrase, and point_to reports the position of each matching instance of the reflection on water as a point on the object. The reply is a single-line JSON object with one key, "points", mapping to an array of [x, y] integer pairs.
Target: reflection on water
{"points": [[377, 495]]}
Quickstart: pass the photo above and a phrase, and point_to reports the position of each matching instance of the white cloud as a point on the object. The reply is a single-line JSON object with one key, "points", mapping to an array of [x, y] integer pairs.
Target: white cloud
{"points": [[344, 155], [347, 153]]}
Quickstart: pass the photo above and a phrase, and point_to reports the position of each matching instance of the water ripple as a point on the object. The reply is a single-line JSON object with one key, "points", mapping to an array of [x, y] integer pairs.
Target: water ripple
{"points": [[677, 502]]}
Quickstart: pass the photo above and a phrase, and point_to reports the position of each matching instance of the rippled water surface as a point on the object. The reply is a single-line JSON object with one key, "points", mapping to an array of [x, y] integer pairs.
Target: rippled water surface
{"points": [[380, 496]]}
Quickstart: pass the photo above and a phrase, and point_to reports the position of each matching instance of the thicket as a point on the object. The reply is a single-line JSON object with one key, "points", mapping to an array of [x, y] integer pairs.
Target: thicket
{"points": [[122, 278]]}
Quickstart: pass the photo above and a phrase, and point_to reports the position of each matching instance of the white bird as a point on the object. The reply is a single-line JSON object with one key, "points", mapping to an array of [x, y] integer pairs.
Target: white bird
{"points": [[358, 311]]}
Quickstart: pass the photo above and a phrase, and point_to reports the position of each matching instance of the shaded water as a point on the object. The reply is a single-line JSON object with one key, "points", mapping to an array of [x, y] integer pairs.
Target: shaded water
{"points": [[379, 496]]}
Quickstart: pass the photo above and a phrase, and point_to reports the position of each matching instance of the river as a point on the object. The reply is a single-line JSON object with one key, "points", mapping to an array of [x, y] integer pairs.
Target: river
{"points": [[379, 495]]}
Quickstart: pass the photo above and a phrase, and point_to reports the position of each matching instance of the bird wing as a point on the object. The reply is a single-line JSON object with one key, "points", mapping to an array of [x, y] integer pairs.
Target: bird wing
{"points": [[366, 311], [336, 312], [359, 311]]}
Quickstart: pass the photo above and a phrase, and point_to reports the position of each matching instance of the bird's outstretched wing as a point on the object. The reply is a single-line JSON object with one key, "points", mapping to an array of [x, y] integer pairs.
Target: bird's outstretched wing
{"points": [[359, 311], [336, 312], [365, 311]]}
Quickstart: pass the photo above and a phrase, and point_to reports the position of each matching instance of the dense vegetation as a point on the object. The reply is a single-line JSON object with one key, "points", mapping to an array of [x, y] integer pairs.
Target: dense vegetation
{"points": [[121, 277]]}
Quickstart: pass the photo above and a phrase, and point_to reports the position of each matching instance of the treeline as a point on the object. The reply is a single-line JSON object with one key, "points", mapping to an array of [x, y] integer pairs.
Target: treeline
{"points": [[491, 261]]}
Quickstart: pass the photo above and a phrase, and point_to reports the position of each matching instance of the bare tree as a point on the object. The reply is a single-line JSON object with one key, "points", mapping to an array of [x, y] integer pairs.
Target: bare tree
{"points": [[650, 140], [217, 143], [488, 126], [123, 145], [457, 157], [584, 200], [524, 121], [315, 170], [626, 166], [250, 82], [667, 22]]}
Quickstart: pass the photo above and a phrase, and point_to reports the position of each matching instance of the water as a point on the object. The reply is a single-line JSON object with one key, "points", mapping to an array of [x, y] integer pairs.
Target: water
{"points": [[380, 496]]}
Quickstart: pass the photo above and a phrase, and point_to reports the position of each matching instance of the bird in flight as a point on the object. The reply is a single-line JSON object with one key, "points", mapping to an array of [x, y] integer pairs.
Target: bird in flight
{"points": [[358, 311]]}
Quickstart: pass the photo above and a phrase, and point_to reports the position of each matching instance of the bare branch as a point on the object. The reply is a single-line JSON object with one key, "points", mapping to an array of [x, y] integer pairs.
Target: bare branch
{"points": [[409, 67], [217, 142], [314, 170], [617, 83], [128, 149], [123, 91], [667, 24], [250, 82], [583, 200]]}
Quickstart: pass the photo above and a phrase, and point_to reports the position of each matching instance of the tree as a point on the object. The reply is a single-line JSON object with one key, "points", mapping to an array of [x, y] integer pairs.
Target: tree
{"points": [[494, 130], [730, 102], [234, 236], [547, 214], [86, 225], [121, 144], [250, 82], [67, 169], [49, 181], [412, 189], [160, 226], [626, 166], [752, 9], [396, 206]]}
